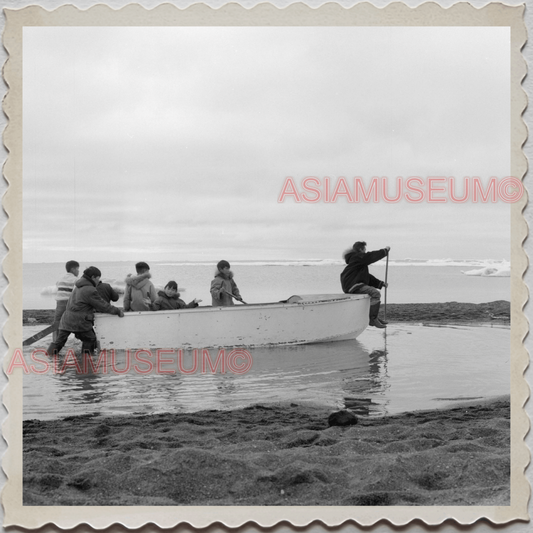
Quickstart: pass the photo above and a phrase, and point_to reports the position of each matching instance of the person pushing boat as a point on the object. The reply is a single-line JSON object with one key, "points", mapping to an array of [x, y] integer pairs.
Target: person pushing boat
{"points": [[78, 317], [356, 278]]}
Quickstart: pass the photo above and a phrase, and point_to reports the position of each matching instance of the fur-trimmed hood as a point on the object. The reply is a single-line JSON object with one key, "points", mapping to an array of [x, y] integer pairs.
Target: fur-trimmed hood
{"points": [[140, 281], [222, 275]]}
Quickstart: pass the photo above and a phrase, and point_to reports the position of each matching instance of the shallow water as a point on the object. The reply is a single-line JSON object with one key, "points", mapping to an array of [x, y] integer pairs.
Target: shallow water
{"points": [[409, 367]]}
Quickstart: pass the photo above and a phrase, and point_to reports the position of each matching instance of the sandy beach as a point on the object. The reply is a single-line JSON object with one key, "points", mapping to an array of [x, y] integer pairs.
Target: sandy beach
{"points": [[271, 455], [279, 454]]}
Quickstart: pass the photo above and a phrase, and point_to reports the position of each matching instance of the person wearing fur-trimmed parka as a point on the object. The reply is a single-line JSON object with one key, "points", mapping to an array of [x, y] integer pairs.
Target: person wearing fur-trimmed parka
{"points": [[223, 286], [356, 279], [169, 298], [140, 292], [78, 317]]}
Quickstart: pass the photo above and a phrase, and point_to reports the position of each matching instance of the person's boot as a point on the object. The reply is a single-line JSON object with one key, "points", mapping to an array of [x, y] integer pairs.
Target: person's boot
{"points": [[374, 320], [51, 350], [88, 349]]}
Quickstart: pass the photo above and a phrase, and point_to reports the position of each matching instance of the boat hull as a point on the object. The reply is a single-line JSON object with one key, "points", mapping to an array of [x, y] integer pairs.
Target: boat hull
{"points": [[300, 320]]}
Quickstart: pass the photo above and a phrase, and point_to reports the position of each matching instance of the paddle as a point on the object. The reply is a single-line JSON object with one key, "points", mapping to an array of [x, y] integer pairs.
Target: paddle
{"points": [[233, 296], [386, 276], [40, 335]]}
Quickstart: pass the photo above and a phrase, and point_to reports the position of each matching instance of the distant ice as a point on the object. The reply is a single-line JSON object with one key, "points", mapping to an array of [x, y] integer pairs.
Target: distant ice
{"points": [[51, 290], [482, 264], [481, 267], [293, 262], [503, 271]]}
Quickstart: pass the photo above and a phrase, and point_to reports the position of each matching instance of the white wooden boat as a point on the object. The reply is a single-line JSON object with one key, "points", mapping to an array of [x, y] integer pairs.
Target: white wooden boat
{"points": [[299, 320]]}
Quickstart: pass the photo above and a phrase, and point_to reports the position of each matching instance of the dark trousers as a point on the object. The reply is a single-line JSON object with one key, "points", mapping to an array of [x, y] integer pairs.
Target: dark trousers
{"points": [[88, 339], [361, 288], [61, 305]]}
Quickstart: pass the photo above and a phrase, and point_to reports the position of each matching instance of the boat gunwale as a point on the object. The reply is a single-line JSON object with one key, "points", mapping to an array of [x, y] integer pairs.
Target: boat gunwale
{"points": [[235, 308]]}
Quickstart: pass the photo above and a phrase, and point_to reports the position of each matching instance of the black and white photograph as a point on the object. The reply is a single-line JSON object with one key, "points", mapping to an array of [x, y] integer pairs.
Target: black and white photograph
{"points": [[269, 266]]}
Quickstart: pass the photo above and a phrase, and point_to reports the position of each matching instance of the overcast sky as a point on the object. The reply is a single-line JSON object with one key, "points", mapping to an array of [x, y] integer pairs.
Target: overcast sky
{"points": [[174, 143]]}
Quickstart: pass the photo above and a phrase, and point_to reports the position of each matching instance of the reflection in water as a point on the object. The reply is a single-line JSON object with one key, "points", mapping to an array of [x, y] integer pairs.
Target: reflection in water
{"points": [[86, 383], [410, 367], [376, 384]]}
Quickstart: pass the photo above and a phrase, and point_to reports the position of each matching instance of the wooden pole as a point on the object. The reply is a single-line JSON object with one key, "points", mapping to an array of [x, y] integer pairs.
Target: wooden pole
{"points": [[38, 336], [234, 297], [386, 276]]}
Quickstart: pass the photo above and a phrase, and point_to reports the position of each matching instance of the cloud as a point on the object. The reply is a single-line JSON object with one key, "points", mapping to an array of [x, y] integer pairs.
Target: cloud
{"points": [[178, 140]]}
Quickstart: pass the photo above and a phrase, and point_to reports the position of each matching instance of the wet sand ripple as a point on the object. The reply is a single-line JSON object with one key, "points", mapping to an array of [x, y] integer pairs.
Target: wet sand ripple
{"points": [[271, 455]]}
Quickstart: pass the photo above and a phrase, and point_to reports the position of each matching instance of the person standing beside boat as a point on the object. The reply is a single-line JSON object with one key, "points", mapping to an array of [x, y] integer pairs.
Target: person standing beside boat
{"points": [[78, 317], [65, 286], [356, 279], [169, 298], [140, 292], [223, 286]]}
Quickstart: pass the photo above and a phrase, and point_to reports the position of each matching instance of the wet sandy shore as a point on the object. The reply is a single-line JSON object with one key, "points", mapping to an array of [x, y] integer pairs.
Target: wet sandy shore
{"points": [[278, 454], [272, 455]]}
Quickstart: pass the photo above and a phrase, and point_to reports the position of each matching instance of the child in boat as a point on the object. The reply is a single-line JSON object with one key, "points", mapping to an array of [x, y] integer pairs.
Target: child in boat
{"points": [[169, 298], [224, 285], [65, 286], [140, 292], [356, 279]]}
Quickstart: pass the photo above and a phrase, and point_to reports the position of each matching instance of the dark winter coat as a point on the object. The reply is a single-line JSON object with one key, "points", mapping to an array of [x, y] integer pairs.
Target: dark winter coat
{"points": [[356, 270], [83, 303], [107, 292], [165, 302]]}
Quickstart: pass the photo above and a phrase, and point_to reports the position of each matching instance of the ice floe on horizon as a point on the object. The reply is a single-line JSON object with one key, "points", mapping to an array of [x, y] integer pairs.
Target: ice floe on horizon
{"points": [[280, 262], [493, 271], [482, 263], [118, 286], [499, 263], [483, 267]]}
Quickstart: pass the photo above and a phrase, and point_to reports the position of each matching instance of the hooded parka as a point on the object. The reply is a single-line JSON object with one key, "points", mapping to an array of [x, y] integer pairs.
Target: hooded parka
{"points": [[220, 286], [84, 301], [165, 302], [137, 289], [356, 270]]}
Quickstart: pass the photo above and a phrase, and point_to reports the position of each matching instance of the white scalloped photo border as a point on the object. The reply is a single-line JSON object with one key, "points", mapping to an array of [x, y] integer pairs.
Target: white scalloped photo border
{"points": [[365, 14]]}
